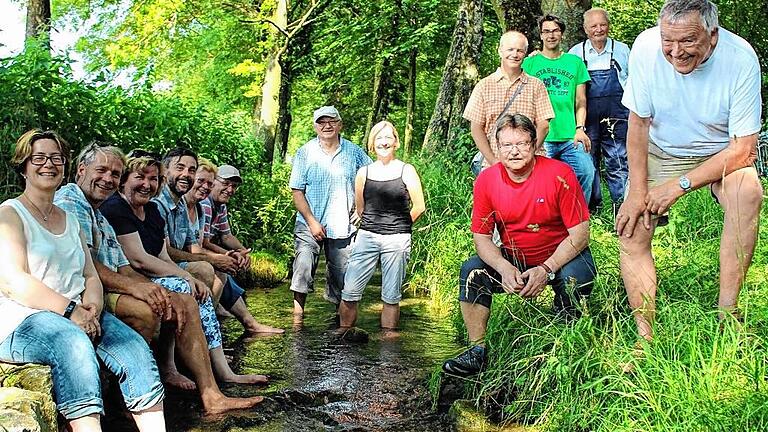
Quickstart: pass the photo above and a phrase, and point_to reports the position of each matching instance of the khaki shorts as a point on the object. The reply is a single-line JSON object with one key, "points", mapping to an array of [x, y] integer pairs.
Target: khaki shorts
{"points": [[110, 302], [662, 166]]}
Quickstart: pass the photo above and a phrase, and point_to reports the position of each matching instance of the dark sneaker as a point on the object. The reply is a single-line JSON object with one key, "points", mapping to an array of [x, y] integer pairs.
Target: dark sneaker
{"points": [[467, 363]]}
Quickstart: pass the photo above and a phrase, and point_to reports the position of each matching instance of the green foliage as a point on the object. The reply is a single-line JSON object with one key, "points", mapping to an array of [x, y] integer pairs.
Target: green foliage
{"points": [[38, 91]]}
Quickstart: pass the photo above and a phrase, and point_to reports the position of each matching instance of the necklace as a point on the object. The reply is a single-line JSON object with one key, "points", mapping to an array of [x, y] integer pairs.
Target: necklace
{"points": [[45, 216]]}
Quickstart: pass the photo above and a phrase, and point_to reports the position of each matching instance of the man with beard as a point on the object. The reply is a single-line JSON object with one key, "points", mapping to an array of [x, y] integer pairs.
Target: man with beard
{"points": [[565, 77], [180, 165], [536, 205], [131, 296]]}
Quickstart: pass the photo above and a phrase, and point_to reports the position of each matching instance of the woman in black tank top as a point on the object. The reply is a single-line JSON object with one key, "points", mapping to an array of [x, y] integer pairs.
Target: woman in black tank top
{"points": [[388, 198]]}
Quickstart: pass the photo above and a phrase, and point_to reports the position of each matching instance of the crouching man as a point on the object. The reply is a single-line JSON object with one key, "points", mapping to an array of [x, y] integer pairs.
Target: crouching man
{"points": [[538, 207]]}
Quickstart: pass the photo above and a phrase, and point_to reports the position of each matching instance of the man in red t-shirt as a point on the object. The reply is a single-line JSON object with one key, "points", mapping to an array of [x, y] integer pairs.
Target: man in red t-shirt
{"points": [[538, 207]]}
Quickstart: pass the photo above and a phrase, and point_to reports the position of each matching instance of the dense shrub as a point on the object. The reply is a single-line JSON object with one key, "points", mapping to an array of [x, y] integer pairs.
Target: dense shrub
{"points": [[38, 91]]}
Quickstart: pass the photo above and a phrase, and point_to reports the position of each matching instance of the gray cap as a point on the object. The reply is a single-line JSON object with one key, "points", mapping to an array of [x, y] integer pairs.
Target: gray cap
{"points": [[228, 172], [326, 111]]}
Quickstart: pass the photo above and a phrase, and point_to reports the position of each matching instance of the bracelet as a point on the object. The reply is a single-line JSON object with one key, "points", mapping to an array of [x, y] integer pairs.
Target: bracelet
{"points": [[546, 268], [70, 308]]}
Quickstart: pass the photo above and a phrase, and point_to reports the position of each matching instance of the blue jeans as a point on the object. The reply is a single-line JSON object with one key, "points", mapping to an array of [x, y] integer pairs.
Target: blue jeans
{"points": [[231, 293], [479, 281], [306, 259], [578, 159], [50, 339], [392, 249]]}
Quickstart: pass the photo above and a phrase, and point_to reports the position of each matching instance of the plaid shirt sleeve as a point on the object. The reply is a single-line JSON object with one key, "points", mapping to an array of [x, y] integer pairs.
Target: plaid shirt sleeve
{"points": [[475, 109], [220, 224], [298, 171], [67, 198]]}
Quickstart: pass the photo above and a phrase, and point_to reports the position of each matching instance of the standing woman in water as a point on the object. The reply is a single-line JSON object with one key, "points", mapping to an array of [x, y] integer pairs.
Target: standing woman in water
{"points": [[389, 198], [51, 300]]}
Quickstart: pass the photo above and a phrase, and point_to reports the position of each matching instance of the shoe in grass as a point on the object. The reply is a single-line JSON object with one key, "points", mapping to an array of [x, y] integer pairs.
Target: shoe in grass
{"points": [[470, 362]]}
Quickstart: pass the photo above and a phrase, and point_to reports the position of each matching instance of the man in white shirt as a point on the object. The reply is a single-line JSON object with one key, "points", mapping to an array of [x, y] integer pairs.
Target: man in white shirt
{"points": [[694, 97], [607, 62]]}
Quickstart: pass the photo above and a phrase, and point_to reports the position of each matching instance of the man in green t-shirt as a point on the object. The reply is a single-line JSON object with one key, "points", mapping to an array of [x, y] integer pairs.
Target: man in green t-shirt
{"points": [[565, 77]]}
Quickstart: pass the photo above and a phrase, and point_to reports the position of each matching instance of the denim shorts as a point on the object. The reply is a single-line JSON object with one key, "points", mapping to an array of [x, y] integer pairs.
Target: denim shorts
{"points": [[50, 339], [393, 250]]}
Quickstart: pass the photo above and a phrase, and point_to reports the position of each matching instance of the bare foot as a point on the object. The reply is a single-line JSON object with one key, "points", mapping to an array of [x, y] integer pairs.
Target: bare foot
{"points": [[175, 379], [389, 334], [258, 327], [246, 379], [224, 404]]}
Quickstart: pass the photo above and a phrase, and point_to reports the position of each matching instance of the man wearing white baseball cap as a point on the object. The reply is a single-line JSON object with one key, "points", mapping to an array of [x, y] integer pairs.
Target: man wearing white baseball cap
{"points": [[322, 181]]}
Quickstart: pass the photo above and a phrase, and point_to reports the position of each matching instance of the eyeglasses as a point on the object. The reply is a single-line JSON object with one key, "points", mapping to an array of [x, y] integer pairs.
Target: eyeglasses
{"points": [[139, 153], [325, 123], [549, 32], [40, 159], [522, 146], [228, 184]]}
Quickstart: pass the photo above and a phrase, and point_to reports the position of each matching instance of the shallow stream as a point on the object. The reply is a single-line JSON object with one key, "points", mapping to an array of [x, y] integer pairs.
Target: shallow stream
{"points": [[320, 384]]}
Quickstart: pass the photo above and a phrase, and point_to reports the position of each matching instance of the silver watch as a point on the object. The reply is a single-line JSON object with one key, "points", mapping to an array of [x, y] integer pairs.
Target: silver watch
{"points": [[685, 183]]}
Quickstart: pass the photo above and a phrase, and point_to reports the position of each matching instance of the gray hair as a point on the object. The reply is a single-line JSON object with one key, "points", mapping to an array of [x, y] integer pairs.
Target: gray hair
{"points": [[510, 33], [88, 154], [674, 10], [589, 12]]}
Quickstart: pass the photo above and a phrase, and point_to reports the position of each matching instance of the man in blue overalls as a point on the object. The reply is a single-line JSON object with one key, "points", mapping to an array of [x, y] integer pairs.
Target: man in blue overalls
{"points": [[607, 62]]}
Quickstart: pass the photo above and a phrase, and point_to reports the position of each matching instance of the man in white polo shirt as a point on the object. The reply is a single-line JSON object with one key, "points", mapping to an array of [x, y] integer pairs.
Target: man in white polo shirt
{"points": [[694, 101]]}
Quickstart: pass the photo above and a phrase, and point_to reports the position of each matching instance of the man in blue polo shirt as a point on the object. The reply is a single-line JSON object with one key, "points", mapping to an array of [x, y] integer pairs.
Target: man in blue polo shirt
{"points": [[322, 181]]}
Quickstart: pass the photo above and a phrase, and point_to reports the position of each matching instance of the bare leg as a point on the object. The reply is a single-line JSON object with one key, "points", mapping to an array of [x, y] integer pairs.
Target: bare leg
{"points": [[166, 347], [298, 304], [476, 320], [638, 271], [347, 314], [740, 195], [138, 315], [241, 312], [150, 420], [89, 423], [192, 349], [390, 316], [224, 372]]}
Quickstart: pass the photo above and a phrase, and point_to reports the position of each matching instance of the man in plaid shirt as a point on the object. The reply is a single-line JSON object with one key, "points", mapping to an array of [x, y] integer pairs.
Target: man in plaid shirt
{"points": [[322, 181]]}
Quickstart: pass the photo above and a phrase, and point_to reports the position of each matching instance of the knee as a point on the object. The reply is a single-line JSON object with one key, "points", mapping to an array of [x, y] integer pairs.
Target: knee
{"points": [[637, 244], [144, 320], [191, 309], [203, 271]]}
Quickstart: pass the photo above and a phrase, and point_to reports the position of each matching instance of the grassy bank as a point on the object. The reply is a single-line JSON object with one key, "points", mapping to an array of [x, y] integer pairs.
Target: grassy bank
{"points": [[697, 375]]}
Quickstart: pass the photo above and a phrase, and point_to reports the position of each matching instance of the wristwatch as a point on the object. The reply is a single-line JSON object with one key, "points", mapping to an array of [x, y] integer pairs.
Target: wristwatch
{"points": [[684, 183], [70, 308], [582, 127], [550, 273]]}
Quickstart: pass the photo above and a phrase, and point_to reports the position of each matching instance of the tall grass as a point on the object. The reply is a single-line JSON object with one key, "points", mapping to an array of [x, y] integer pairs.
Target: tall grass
{"points": [[697, 375]]}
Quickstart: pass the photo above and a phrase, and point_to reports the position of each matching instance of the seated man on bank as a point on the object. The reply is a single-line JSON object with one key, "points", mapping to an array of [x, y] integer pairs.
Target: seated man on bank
{"points": [[131, 296], [539, 209], [200, 222]]}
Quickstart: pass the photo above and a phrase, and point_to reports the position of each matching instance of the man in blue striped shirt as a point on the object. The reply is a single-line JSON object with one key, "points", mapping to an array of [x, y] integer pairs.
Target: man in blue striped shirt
{"points": [[322, 182]]}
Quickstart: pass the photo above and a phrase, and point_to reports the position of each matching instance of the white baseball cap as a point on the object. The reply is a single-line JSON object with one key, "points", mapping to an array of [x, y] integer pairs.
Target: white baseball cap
{"points": [[326, 111]]}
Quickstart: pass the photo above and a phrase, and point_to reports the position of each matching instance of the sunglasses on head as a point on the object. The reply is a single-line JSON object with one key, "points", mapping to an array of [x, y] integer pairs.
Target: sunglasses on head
{"points": [[139, 153]]}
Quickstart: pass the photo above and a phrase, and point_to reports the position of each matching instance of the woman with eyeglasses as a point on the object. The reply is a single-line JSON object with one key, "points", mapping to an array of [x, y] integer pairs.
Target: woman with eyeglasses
{"points": [[140, 231], [51, 300], [388, 198]]}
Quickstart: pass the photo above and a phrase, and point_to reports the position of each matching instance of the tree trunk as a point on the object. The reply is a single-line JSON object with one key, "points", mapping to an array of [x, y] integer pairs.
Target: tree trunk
{"points": [[39, 22], [411, 107], [284, 118], [379, 103], [270, 89], [572, 13], [518, 15], [460, 66]]}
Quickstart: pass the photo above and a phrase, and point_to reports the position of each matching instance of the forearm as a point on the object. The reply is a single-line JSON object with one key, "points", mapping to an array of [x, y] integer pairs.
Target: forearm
{"points": [[302, 206], [569, 248], [153, 266], [114, 282], [489, 252], [581, 106], [31, 292], [740, 153], [542, 129], [213, 247], [178, 255], [637, 153], [231, 242], [481, 141], [94, 292]]}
